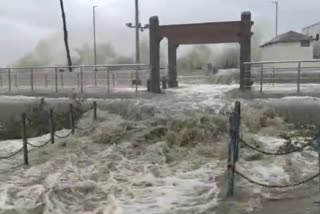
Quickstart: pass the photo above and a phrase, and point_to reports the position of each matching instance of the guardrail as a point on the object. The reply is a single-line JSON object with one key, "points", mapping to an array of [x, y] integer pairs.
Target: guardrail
{"points": [[53, 132], [234, 147], [82, 78], [270, 75]]}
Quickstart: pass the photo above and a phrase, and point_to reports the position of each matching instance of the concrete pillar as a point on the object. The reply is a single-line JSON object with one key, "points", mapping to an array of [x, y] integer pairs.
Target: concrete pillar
{"points": [[172, 62], [245, 50], [155, 39]]}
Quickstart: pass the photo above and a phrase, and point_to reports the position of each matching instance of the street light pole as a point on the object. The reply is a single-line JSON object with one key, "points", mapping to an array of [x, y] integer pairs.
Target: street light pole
{"points": [[94, 35], [138, 25], [277, 13]]}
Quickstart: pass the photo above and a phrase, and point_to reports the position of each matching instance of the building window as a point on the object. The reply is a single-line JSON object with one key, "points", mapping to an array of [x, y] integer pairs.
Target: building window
{"points": [[305, 43]]}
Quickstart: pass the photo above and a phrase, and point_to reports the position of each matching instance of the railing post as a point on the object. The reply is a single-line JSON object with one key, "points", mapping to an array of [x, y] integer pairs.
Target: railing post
{"points": [[56, 79], [318, 144], [31, 79], [81, 79], [298, 79], [95, 77], [61, 79], [1, 84], [15, 80], [24, 139], [113, 80], [136, 80], [9, 79], [72, 119], [273, 75], [52, 128], [46, 80], [108, 76], [261, 78], [78, 80], [95, 110]]}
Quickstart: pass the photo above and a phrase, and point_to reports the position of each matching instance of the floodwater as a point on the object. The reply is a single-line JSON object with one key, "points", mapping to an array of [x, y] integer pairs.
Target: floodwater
{"points": [[156, 156]]}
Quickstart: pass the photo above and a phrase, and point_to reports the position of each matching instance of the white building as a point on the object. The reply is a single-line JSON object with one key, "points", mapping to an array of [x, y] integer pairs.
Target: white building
{"points": [[288, 46], [314, 32]]}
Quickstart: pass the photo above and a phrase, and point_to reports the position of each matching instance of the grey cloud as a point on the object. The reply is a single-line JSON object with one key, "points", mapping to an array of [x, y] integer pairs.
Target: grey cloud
{"points": [[24, 22]]}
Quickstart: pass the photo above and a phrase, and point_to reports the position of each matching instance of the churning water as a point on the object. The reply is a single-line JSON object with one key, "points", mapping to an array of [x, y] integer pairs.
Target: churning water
{"points": [[164, 155]]}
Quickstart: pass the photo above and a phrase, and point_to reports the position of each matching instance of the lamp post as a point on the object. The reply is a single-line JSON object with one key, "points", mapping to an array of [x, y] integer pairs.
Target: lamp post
{"points": [[138, 27], [94, 34], [277, 12]]}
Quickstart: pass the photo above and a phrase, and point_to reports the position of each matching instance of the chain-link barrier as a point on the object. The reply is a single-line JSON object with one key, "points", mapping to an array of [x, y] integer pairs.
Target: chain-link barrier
{"points": [[276, 153], [63, 137], [11, 155], [39, 146], [250, 180], [85, 129], [83, 111]]}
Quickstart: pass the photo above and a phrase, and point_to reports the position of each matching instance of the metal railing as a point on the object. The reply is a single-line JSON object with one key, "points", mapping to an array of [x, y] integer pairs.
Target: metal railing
{"points": [[82, 78], [283, 75]]}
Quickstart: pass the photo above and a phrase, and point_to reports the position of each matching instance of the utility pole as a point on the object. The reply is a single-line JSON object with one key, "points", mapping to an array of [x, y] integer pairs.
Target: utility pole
{"points": [[94, 35], [277, 15]]}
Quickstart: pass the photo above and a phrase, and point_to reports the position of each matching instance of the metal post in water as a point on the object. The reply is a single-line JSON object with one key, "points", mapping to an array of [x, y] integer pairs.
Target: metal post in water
{"points": [[95, 110], [231, 159], [24, 139], [51, 120], [71, 119]]}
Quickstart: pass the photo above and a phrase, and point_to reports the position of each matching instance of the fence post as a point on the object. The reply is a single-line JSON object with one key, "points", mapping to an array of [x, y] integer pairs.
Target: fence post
{"points": [[318, 145], [108, 76], [31, 79], [81, 79], [51, 120], [24, 139], [9, 79], [56, 79], [261, 78], [72, 119], [298, 80], [95, 110]]}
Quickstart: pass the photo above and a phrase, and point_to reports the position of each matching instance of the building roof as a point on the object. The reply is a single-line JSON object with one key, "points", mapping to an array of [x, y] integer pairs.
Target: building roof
{"points": [[311, 26], [290, 36]]}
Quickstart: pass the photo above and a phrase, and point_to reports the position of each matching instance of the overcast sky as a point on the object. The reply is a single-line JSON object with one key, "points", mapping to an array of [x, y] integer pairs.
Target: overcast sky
{"points": [[24, 22]]}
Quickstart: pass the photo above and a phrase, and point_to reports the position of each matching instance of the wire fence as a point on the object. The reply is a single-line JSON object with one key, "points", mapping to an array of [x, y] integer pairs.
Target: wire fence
{"points": [[278, 76], [82, 79], [53, 133], [234, 147]]}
